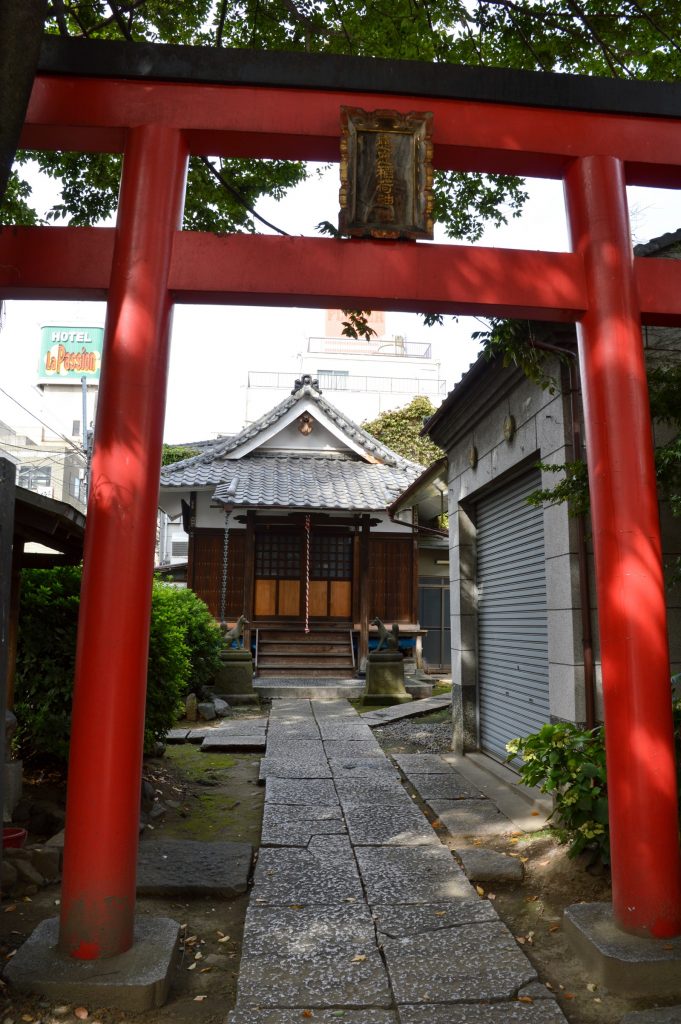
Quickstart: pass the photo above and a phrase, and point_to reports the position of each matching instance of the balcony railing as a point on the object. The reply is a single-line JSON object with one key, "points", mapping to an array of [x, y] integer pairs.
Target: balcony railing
{"points": [[392, 347], [352, 382]]}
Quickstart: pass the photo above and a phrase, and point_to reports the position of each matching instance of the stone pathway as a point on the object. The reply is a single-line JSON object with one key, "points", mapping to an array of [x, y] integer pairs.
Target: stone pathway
{"points": [[358, 913]]}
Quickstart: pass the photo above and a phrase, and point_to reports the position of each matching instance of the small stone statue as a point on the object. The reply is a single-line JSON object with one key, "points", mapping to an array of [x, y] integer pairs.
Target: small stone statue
{"points": [[390, 639], [236, 633]]}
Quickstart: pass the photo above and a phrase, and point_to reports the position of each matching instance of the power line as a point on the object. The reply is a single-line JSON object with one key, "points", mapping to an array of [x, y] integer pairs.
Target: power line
{"points": [[42, 422]]}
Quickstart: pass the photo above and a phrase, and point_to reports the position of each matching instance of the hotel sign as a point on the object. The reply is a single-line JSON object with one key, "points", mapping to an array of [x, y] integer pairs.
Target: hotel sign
{"points": [[69, 353], [386, 174]]}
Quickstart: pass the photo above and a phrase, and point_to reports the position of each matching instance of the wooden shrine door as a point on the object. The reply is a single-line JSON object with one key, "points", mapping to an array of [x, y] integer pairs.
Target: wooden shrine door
{"points": [[281, 576]]}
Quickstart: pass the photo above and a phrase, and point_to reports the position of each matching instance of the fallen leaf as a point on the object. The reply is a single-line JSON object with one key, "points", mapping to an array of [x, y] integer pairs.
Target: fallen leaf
{"points": [[491, 895], [81, 1013], [61, 1010], [554, 928], [26, 899], [535, 813], [521, 939], [591, 987], [597, 1000], [480, 891], [225, 938], [525, 999], [10, 908], [440, 913], [358, 959], [307, 1013], [199, 999], [531, 899], [198, 956], [27, 1017], [524, 860], [220, 934], [513, 840], [192, 966], [295, 906], [205, 970], [568, 995], [438, 824]]}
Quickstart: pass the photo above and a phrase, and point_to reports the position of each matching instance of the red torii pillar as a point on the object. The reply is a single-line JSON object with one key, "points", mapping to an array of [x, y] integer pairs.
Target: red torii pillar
{"points": [[105, 766], [646, 868]]}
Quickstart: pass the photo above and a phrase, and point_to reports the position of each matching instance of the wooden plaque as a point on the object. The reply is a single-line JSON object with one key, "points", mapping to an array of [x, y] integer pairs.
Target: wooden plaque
{"points": [[386, 174]]}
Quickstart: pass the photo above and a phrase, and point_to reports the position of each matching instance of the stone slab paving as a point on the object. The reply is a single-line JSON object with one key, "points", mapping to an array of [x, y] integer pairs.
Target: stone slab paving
{"points": [[185, 867], [358, 912], [475, 963], [312, 957], [289, 765], [403, 875], [324, 872], [471, 817], [362, 767], [544, 1012], [452, 786], [299, 791], [234, 742], [401, 921], [384, 716], [382, 788], [370, 747], [394, 825], [364, 1016]]}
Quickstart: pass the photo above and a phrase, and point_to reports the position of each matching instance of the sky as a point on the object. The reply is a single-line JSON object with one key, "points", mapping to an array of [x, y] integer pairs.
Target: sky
{"points": [[206, 395]]}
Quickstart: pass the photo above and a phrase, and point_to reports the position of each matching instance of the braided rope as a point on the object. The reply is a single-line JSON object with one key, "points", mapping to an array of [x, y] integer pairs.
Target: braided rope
{"points": [[307, 573], [225, 561]]}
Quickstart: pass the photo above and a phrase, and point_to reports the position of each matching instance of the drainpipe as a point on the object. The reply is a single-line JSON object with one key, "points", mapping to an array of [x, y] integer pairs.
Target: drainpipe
{"points": [[582, 556]]}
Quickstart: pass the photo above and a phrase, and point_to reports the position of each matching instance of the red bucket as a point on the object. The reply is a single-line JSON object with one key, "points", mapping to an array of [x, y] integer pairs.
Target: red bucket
{"points": [[13, 836]]}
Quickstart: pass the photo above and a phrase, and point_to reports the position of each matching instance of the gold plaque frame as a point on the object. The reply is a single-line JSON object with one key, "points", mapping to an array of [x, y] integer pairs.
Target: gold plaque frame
{"points": [[386, 172]]}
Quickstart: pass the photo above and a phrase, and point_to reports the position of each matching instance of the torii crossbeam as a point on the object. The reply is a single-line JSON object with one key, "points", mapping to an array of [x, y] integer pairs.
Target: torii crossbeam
{"points": [[158, 105]]}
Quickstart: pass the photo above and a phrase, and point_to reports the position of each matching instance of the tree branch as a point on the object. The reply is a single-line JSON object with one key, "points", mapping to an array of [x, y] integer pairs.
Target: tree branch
{"points": [[238, 196]]}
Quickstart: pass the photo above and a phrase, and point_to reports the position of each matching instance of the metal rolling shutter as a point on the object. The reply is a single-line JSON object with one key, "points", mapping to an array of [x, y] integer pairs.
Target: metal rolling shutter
{"points": [[513, 668]]}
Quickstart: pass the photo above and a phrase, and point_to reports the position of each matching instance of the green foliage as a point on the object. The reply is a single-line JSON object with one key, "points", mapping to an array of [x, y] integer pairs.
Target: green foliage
{"points": [[594, 37], [512, 342], [184, 646], [176, 453], [573, 488], [569, 763], [400, 430], [45, 660]]}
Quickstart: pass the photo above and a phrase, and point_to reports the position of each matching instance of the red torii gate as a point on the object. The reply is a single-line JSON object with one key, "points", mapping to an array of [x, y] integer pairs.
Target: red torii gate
{"points": [[159, 104]]}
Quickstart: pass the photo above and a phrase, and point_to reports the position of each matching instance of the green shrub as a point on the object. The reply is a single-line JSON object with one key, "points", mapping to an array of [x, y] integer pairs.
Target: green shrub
{"points": [[184, 645], [569, 762], [46, 657]]}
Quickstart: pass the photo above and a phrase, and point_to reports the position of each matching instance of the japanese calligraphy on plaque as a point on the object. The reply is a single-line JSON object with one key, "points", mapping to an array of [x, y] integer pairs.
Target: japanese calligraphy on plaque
{"points": [[386, 174]]}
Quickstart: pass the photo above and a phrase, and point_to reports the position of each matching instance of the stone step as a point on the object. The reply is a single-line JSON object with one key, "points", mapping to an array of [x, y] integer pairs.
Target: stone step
{"points": [[303, 658], [301, 646], [295, 672], [299, 635], [312, 689]]}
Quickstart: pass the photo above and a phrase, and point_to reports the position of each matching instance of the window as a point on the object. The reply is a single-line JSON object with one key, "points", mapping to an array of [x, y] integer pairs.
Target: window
{"points": [[34, 477], [331, 557], [333, 380], [75, 428], [278, 556], [180, 547]]}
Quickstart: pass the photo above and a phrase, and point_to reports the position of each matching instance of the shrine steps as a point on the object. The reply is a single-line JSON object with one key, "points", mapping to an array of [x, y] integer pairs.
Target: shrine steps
{"points": [[292, 653]]}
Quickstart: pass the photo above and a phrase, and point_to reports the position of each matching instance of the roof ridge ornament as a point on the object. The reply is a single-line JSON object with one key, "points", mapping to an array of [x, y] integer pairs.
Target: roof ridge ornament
{"points": [[306, 380]]}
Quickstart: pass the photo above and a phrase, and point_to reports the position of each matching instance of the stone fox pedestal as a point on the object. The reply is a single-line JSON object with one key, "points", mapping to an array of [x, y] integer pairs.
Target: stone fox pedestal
{"points": [[385, 679], [234, 680]]}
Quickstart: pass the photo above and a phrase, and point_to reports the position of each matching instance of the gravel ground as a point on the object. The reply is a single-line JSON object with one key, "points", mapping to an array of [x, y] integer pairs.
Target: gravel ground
{"points": [[414, 736]]}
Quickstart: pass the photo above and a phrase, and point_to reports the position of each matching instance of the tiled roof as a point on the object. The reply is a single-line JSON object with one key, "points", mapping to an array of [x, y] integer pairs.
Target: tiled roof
{"points": [[658, 244], [211, 466], [312, 481]]}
